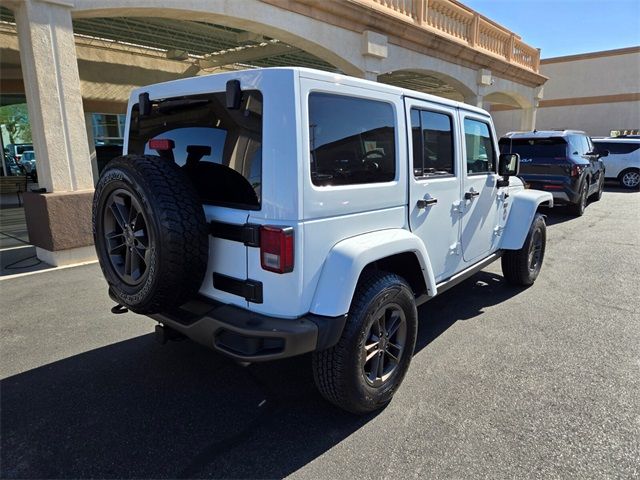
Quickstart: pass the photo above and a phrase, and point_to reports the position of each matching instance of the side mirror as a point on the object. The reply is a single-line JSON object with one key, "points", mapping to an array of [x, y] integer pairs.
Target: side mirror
{"points": [[508, 165], [603, 153]]}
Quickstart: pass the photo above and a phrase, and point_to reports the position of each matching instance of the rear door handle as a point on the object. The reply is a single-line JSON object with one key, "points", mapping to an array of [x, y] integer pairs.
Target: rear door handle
{"points": [[427, 202], [470, 194]]}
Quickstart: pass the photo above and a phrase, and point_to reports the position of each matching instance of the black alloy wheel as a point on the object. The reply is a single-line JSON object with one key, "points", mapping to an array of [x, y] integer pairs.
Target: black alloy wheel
{"points": [[535, 251], [127, 237], [385, 345]]}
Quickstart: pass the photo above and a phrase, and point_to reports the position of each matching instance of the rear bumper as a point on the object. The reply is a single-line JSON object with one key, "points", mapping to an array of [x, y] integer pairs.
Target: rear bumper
{"points": [[563, 191], [247, 336]]}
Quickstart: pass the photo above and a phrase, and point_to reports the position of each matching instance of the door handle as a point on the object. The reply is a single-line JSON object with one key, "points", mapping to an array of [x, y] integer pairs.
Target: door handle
{"points": [[470, 194], [427, 202]]}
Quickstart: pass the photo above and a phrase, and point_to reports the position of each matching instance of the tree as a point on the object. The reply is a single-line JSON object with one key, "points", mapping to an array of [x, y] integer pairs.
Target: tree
{"points": [[16, 121]]}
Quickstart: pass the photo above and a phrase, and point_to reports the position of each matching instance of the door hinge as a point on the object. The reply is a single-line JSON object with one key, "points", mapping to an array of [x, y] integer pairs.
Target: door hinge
{"points": [[498, 230], [455, 249], [458, 207]]}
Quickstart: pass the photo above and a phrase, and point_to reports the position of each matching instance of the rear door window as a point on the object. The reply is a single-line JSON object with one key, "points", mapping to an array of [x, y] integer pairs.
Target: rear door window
{"points": [[432, 143], [219, 149]]}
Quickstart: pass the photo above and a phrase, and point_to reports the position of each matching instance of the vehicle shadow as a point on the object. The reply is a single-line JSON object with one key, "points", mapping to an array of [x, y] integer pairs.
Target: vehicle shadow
{"points": [[138, 409]]}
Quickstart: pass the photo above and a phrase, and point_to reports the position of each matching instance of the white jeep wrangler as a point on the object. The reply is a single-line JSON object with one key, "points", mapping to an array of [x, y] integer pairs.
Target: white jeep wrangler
{"points": [[273, 212]]}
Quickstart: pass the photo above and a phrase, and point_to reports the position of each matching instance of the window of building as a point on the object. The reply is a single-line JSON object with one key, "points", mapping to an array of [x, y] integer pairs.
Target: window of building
{"points": [[108, 129], [481, 156], [432, 143], [352, 140]]}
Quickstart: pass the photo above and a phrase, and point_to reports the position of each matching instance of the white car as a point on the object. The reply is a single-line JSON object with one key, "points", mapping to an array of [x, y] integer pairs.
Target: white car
{"points": [[269, 213], [623, 162]]}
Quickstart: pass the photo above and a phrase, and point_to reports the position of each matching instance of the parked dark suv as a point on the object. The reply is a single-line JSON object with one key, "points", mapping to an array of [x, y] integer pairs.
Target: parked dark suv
{"points": [[563, 162]]}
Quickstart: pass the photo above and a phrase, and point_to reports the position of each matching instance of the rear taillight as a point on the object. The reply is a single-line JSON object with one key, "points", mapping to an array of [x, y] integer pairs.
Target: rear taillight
{"points": [[276, 249], [161, 144], [576, 170]]}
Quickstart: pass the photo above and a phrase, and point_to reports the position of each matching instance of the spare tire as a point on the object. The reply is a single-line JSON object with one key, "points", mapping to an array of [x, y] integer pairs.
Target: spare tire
{"points": [[150, 233]]}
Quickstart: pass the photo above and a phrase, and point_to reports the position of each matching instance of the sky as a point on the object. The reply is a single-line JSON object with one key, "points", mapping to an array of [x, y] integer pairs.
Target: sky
{"points": [[567, 27]]}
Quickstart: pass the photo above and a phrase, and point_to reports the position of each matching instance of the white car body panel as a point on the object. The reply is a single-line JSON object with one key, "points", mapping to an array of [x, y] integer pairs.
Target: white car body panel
{"points": [[523, 207], [348, 258], [615, 163]]}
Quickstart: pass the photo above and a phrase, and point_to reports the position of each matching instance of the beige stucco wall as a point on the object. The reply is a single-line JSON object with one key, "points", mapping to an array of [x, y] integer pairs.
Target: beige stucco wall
{"points": [[596, 92]]}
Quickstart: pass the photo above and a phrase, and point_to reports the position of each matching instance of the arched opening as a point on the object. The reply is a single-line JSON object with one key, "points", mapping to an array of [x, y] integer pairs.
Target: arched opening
{"points": [[510, 111], [427, 81]]}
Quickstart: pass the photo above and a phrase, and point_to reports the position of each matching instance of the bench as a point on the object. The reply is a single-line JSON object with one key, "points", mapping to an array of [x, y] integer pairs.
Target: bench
{"points": [[14, 184]]}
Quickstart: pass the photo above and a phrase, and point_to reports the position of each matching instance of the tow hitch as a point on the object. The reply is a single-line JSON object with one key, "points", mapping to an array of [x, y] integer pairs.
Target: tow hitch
{"points": [[165, 334]]}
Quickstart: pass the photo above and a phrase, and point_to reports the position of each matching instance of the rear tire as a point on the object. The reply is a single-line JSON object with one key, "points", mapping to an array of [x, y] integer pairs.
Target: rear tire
{"points": [[364, 369], [522, 267], [630, 179], [150, 233], [577, 209]]}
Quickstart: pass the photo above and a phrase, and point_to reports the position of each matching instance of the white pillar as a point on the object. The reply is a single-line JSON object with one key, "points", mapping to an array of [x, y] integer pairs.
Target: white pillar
{"points": [[475, 100], [528, 119], [52, 87]]}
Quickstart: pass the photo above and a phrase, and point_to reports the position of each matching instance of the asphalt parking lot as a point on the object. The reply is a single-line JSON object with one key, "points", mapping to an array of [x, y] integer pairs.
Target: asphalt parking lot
{"points": [[505, 382]]}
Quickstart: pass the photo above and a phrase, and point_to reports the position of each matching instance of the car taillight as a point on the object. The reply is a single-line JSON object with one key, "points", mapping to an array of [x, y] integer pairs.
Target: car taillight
{"points": [[576, 170], [161, 144], [276, 249]]}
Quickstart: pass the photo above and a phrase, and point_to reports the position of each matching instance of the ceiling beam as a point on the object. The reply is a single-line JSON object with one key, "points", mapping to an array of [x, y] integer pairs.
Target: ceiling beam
{"points": [[246, 54]]}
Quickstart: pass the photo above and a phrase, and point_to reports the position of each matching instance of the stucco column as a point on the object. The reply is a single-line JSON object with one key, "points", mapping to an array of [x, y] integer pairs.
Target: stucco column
{"points": [[528, 119], [52, 87], [58, 221], [475, 100]]}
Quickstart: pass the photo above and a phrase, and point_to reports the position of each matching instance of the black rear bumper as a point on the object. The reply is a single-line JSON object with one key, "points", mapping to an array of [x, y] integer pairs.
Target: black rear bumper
{"points": [[248, 336]]}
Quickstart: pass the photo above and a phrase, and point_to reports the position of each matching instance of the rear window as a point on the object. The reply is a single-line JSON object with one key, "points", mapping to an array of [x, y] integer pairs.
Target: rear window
{"points": [[219, 149], [352, 140], [617, 148], [535, 147]]}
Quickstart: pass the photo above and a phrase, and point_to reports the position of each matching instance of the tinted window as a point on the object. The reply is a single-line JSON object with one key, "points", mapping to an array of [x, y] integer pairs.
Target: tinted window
{"points": [[555, 147], [219, 149], [432, 143], [480, 152], [618, 148], [352, 140]]}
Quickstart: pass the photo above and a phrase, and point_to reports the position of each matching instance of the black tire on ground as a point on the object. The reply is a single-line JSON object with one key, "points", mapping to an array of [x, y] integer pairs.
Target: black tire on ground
{"points": [[521, 267], [364, 369], [598, 195], [577, 209], [630, 179], [150, 233]]}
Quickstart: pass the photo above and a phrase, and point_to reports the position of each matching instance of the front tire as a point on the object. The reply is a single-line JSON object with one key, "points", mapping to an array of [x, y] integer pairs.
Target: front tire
{"points": [[364, 369], [522, 267], [598, 195]]}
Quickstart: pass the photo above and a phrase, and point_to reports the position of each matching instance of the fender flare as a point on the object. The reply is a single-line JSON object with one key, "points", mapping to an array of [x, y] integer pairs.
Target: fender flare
{"points": [[524, 205], [347, 259]]}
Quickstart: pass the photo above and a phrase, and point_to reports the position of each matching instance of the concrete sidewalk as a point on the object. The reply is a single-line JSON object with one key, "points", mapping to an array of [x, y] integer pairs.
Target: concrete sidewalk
{"points": [[17, 255]]}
